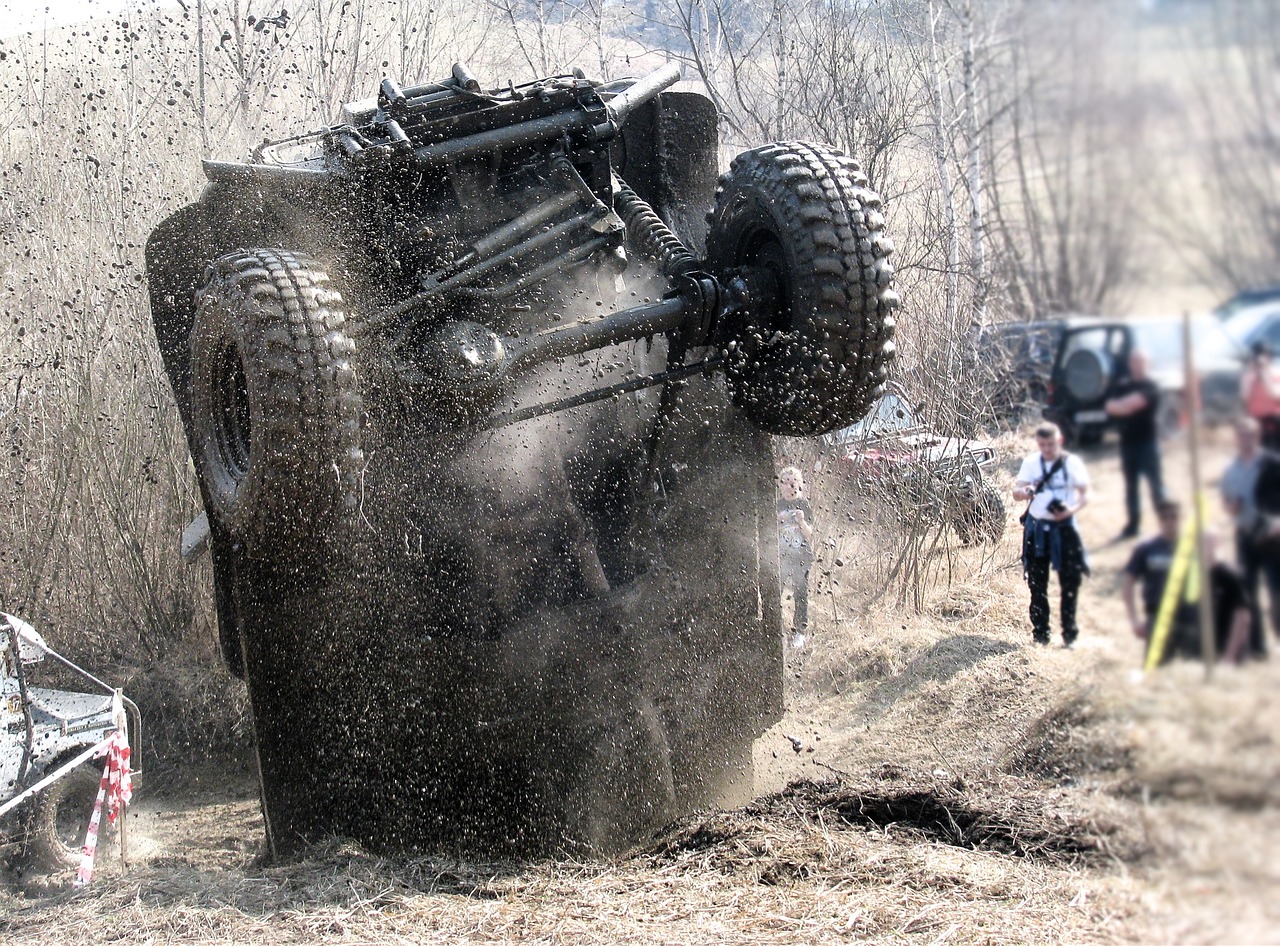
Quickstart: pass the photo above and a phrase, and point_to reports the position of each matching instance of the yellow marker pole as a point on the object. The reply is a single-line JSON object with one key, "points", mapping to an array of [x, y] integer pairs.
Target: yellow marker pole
{"points": [[1183, 576]]}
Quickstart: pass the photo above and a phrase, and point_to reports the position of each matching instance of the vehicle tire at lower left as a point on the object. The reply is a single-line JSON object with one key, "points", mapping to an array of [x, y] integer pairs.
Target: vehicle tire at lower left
{"points": [[56, 822]]}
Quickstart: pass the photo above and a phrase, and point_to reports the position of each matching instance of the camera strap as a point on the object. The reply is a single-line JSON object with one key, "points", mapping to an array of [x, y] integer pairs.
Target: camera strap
{"points": [[1044, 481]]}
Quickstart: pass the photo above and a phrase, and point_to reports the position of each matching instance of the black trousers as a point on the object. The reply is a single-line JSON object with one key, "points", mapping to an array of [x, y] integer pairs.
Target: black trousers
{"points": [[1136, 461], [1069, 578], [1270, 429], [1258, 568]]}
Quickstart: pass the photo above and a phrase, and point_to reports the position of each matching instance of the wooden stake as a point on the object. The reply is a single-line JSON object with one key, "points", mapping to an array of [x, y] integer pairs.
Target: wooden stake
{"points": [[1191, 384]]}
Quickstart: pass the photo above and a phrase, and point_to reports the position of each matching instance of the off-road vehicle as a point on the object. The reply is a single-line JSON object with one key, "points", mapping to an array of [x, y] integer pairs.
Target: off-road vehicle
{"points": [[49, 777], [1014, 361], [945, 478], [479, 399], [1092, 360]]}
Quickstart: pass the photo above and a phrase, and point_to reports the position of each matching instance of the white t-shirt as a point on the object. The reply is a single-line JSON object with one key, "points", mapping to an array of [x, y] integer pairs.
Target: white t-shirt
{"points": [[1064, 484]]}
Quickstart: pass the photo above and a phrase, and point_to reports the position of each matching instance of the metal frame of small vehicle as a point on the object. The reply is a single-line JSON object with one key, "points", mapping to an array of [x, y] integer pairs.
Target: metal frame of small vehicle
{"points": [[53, 735]]}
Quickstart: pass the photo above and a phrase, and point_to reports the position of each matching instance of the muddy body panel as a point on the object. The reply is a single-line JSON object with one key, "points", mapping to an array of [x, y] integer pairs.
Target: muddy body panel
{"points": [[457, 665]]}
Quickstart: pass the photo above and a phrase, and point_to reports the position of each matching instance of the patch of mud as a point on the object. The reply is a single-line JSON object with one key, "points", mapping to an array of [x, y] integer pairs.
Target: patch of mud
{"points": [[795, 833]]}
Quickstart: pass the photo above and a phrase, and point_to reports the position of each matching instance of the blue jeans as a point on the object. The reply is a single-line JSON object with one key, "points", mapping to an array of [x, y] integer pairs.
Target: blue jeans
{"points": [[1138, 460]]}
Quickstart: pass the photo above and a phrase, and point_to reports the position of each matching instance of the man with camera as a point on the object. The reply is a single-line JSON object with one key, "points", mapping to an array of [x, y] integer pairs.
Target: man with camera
{"points": [[1055, 486]]}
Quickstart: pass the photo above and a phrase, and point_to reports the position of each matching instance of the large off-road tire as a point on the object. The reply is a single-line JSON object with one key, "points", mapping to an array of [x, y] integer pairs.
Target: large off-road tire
{"points": [[814, 362], [983, 518], [275, 407], [55, 825]]}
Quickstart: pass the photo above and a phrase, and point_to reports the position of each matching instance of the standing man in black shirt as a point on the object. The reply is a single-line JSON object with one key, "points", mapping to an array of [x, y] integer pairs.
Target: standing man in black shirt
{"points": [[1133, 405]]}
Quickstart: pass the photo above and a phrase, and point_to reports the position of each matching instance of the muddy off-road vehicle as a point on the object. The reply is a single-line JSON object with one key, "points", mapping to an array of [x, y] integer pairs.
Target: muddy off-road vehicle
{"points": [[49, 776], [479, 399]]}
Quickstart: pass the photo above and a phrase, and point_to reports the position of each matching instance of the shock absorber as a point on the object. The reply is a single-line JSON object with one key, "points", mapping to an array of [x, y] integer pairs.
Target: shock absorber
{"points": [[651, 236]]}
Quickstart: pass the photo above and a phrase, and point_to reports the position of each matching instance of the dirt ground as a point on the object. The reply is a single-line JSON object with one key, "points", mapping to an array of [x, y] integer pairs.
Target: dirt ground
{"points": [[949, 783]]}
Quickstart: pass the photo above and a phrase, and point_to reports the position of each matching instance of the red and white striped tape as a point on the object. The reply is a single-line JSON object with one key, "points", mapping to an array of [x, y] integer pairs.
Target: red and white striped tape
{"points": [[90, 850], [115, 789]]}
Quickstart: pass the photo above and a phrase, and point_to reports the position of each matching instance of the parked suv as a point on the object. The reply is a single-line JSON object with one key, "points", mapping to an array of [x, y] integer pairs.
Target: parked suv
{"points": [[1015, 360], [43, 733], [1093, 360]]}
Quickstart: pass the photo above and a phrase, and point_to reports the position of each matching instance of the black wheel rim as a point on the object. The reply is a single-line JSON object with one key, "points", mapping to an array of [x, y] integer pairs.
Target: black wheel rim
{"points": [[760, 248], [233, 429]]}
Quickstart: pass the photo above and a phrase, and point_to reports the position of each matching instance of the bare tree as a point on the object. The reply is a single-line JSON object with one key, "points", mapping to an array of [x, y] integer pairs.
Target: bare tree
{"points": [[1238, 110], [1065, 146]]}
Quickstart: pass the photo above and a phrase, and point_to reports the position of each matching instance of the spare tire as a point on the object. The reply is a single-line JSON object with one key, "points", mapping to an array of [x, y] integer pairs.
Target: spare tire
{"points": [[815, 361], [1086, 375], [275, 410]]}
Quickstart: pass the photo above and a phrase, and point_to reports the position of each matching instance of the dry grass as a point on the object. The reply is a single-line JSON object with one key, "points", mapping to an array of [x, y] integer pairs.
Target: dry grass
{"points": [[815, 864], [935, 780]]}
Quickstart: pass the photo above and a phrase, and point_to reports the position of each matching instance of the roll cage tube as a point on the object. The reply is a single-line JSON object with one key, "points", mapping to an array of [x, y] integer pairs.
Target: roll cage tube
{"points": [[27, 721], [131, 708]]}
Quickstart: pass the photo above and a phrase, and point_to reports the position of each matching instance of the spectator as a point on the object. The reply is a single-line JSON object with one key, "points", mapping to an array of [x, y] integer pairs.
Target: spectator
{"points": [[1239, 482], [1055, 486], [1150, 564], [1134, 405], [795, 540], [1260, 392]]}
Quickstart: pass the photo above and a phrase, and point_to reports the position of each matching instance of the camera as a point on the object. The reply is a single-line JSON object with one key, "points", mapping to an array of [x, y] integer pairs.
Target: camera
{"points": [[1056, 506]]}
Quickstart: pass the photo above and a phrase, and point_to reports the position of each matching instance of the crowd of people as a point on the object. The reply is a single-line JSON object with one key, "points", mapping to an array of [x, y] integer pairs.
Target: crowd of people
{"points": [[1055, 486], [1250, 489]]}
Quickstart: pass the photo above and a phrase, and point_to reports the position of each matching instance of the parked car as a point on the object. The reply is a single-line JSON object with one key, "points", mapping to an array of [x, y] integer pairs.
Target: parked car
{"points": [[1249, 299], [48, 734], [949, 475], [1255, 323], [1015, 361], [1093, 360]]}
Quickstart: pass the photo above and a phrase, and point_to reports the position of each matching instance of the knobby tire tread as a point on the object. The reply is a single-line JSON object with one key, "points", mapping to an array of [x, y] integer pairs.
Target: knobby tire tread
{"points": [[306, 461], [824, 371]]}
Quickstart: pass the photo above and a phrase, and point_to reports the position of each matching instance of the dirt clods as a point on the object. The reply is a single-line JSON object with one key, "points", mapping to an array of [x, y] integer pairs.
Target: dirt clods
{"points": [[797, 832]]}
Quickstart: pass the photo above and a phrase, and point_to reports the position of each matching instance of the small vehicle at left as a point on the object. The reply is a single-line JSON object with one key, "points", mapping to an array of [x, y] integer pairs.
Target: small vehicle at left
{"points": [[50, 741]]}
